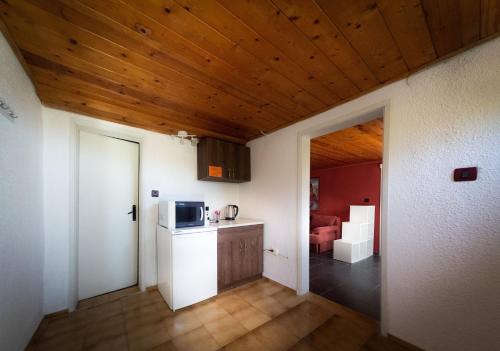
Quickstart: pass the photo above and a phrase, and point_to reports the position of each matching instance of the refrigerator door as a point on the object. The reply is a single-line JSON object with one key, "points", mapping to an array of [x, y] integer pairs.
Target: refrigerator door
{"points": [[164, 263], [194, 262]]}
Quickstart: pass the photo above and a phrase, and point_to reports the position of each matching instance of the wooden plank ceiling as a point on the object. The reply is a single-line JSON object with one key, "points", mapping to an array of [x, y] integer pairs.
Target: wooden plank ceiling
{"points": [[358, 144], [232, 69]]}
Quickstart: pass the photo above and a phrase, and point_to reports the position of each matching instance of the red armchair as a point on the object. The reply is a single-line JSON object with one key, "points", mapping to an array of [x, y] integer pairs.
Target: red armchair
{"points": [[323, 231]]}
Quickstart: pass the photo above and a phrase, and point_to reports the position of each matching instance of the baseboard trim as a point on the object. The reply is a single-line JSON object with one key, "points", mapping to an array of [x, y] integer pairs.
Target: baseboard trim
{"points": [[152, 288], [404, 343], [55, 315]]}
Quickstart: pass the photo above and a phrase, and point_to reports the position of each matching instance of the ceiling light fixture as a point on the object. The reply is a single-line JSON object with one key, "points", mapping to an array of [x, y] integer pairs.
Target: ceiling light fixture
{"points": [[183, 135], [6, 111]]}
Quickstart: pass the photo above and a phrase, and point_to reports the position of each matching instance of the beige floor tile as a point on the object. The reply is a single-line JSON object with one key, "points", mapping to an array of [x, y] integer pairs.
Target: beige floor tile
{"points": [[303, 318], [210, 311], [275, 336], [168, 346], [104, 331], [261, 315], [137, 301], [75, 323], [248, 342], [198, 339], [269, 287], [182, 322], [303, 345], [251, 293], [148, 336], [269, 306], [66, 341], [250, 317], [288, 297], [104, 312], [225, 330], [232, 303]]}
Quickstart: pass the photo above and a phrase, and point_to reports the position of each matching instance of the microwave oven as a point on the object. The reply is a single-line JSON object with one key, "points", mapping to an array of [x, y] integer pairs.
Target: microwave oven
{"points": [[181, 214]]}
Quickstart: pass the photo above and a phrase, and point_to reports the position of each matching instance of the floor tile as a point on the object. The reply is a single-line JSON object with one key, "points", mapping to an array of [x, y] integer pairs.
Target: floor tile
{"points": [[168, 346], [107, 331], [339, 334], [262, 315], [150, 333], [275, 336], [226, 329], [210, 311], [248, 342], [198, 339], [303, 319], [351, 285], [232, 303], [182, 322], [269, 306], [250, 317], [288, 298]]}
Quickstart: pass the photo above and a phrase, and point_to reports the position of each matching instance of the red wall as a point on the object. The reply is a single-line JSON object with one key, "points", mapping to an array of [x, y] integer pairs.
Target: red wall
{"points": [[341, 187]]}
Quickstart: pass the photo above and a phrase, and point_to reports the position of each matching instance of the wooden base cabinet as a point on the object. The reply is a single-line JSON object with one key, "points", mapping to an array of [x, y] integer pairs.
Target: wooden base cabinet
{"points": [[239, 255]]}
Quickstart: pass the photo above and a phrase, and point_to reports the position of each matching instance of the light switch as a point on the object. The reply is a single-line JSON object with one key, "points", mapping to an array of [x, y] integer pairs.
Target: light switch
{"points": [[465, 174]]}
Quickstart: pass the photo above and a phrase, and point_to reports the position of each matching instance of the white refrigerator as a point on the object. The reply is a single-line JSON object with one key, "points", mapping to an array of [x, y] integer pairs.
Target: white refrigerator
{"points": [[187, 264]]}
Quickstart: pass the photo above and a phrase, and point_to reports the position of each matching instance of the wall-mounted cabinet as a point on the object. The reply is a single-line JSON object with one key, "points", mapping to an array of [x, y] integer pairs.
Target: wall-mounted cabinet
{"points": [[222, 161]]}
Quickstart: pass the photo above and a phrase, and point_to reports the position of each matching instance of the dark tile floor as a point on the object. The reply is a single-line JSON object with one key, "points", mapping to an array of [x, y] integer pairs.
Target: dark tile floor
{"points": [[355, 285]]}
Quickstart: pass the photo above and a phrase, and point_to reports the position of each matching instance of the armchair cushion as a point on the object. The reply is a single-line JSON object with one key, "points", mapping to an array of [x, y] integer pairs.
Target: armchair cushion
{"points": [[324, 230], [323, 221]]}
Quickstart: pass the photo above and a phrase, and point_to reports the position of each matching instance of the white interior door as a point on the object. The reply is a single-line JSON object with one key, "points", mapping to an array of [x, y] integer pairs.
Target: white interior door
{"points": [[107, 233]]}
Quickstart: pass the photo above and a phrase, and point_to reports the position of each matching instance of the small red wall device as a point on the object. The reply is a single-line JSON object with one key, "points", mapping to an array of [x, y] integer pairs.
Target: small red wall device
{"points": [[465, 174]]}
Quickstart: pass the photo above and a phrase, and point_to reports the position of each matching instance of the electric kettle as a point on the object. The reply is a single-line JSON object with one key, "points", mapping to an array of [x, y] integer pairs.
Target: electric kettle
{"points": [[231, 212]]}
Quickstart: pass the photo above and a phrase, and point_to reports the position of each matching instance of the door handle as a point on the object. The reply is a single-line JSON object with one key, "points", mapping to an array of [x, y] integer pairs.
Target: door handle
{"points": [[134, 213]]}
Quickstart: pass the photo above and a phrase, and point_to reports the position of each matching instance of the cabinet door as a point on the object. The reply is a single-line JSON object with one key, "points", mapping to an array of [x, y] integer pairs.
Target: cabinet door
{"points": [[247, 252], [211, 154], [230, 161], [242, 260], [243, 164], [254, 253], [224, 261]]}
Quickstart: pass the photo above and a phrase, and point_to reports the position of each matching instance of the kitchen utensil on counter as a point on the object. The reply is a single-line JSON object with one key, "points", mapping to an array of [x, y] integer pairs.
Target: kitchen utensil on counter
{"points": [[231, 212]]}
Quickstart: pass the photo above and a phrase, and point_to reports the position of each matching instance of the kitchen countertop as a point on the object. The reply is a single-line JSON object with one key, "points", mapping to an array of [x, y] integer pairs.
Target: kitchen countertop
{"points": [[239, 222]]}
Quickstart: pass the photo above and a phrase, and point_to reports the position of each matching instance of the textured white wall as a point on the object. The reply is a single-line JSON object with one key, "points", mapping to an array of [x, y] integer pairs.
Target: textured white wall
{"points": [[443, 238], [21, 211], [166, 166]]}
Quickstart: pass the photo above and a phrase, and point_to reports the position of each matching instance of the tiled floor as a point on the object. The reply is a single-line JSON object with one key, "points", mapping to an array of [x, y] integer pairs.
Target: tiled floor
{"points": [[356, 285], [258, 316]]}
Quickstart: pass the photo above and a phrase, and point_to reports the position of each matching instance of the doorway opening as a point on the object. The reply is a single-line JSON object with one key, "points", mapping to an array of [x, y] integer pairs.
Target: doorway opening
{"points": [[344, 218], [107, 214]]}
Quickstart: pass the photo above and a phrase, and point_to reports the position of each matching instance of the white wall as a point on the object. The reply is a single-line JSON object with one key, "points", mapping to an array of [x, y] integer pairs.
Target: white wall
{"points": [[443, 238], [166, 166], [21, 212]]}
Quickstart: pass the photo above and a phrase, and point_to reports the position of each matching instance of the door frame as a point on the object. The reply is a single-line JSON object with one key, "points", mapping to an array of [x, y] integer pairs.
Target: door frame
{"points": [[74, 174], [303, 163]]}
